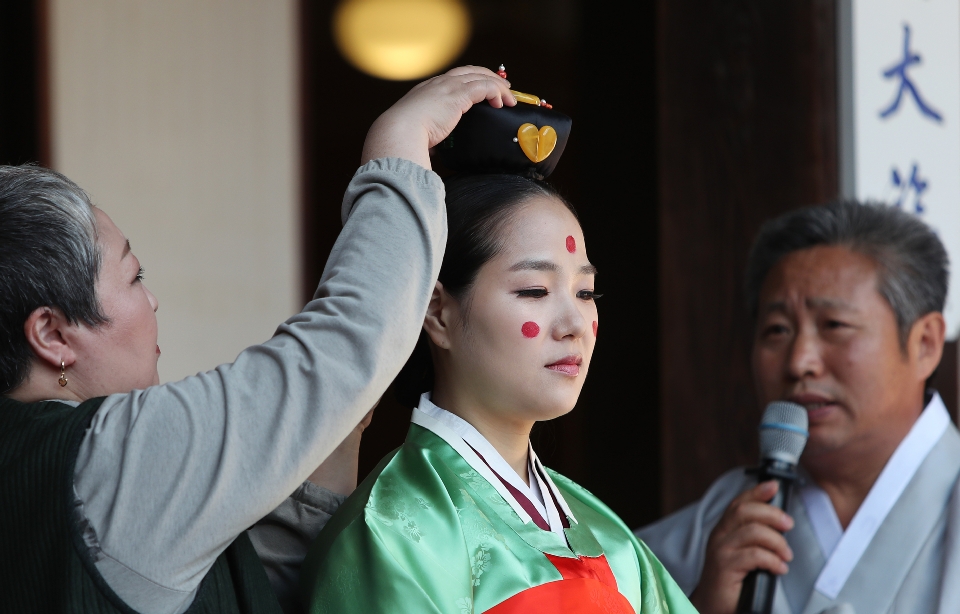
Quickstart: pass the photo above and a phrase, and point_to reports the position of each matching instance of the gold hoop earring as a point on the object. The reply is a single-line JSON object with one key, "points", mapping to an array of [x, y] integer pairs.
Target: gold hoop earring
{"points": [[63, 375]]}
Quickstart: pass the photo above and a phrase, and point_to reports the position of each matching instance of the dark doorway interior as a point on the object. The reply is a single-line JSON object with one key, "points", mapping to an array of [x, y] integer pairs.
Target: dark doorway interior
{"points": [[597, 65], [748, 131], [694, 122], [23, 111]]}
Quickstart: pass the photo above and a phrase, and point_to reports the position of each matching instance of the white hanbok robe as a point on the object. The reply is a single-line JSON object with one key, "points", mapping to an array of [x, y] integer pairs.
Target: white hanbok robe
{"points": [[900, 553]]}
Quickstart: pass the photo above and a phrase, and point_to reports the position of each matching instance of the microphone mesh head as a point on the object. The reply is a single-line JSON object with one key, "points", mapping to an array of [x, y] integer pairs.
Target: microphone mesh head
{"points": [[783, 431]]}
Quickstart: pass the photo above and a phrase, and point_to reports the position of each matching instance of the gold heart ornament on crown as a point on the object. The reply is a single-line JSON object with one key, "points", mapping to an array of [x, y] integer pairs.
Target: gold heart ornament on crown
{"points": [[537, 145]]}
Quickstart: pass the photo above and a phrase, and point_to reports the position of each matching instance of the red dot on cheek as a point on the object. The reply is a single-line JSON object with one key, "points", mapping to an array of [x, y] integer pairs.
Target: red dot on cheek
{"points": [[571, 244], [530, 330], [594, 329]]}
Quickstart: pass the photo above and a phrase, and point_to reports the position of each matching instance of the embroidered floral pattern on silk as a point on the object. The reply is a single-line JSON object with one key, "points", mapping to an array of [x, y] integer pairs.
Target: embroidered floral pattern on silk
{"points": [[478, 533], [391, 506]]}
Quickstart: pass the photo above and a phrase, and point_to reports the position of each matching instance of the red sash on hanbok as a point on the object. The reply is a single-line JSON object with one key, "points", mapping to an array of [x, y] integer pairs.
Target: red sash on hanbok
{"points": [[588, 585]]}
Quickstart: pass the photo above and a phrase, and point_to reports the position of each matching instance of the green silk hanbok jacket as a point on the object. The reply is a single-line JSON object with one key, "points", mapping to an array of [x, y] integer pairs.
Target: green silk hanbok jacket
{"points": [[426, 533]]}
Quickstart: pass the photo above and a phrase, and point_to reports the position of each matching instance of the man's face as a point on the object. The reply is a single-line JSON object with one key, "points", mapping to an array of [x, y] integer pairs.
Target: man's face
{"points": [[827, 339]]}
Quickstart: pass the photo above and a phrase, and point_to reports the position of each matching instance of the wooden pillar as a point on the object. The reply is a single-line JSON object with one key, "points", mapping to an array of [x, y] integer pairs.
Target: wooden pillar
{"points": [[945, 381], [748, 130]]}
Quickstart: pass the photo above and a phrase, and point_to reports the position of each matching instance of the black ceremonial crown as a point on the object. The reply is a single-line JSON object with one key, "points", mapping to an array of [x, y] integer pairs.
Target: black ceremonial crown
{"points": [[526, 139]]}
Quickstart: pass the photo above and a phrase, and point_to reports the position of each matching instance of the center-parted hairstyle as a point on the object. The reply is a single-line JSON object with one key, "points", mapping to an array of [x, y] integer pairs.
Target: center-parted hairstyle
{"points": [[501, 157], [479, 207]]}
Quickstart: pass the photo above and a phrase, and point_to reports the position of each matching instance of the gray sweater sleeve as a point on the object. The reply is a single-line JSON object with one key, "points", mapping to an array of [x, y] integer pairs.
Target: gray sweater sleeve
{"points": [[167, 477], [283, 536]]}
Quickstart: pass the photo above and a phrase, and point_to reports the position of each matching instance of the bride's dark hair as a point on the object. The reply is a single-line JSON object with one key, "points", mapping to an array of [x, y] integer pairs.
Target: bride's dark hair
{"points": [[478, 209]]}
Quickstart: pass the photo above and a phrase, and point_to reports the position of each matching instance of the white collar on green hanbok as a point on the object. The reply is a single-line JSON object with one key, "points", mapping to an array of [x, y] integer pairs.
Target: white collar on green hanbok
{"points": [[456, 431]]}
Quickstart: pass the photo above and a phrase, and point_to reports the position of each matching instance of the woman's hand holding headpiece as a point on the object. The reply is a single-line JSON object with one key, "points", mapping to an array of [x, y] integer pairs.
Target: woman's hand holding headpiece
{"points": [[526, 139], [426, 115]]}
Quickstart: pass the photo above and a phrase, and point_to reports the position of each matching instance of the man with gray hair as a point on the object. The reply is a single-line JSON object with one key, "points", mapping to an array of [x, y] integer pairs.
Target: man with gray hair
{"points": [[847, 301]]}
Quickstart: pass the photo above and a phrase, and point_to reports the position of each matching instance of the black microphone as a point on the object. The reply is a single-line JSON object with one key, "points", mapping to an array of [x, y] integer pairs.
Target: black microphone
{"points": [[783, 433]]}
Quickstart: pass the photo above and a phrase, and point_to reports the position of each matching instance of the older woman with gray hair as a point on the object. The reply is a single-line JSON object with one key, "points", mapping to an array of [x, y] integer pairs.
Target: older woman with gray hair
{"points": [[118, 494]]}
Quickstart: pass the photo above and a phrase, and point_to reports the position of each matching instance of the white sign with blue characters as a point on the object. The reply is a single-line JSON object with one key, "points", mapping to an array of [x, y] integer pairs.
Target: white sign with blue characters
{"points": [[899, 81]]}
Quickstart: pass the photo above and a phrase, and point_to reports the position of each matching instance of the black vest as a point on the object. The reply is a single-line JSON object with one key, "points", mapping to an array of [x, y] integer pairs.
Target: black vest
{"points": [[44, 564]]}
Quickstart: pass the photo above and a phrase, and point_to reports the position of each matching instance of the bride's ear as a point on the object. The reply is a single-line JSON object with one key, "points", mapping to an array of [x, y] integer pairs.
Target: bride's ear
{"points": [[441, 314]]}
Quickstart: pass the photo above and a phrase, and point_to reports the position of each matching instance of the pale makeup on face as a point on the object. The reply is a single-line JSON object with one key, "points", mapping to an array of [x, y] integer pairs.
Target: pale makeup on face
{"points": [[525, 349], [827, 339], [122, 354]]}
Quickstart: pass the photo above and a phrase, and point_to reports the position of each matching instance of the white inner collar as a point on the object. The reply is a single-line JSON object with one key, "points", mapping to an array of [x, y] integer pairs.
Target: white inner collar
{"points": [[456, 431], [843, 549]]}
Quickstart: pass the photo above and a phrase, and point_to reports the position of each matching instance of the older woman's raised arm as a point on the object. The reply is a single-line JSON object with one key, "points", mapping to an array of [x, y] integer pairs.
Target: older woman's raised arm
{"points": [[169, 476]]}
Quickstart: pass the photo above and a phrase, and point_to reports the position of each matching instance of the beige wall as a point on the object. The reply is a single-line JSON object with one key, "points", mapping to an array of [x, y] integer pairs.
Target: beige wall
{"points": [[179, 118]]}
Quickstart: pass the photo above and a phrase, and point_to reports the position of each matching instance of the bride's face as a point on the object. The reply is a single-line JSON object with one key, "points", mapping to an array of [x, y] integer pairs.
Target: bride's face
{"points": [[524, 345]]}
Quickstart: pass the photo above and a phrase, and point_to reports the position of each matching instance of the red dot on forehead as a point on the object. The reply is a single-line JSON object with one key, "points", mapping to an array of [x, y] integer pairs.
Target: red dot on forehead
{"points": [[594, 329], [530, 330], [571, 244]]}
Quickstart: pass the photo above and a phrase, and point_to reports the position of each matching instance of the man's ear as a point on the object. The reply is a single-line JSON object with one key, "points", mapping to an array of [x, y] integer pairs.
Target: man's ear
{"points": [[926, 343], [46, 332], [441, 314]]}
